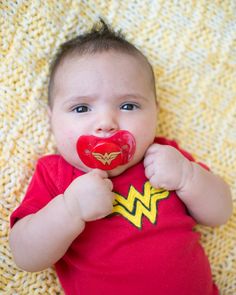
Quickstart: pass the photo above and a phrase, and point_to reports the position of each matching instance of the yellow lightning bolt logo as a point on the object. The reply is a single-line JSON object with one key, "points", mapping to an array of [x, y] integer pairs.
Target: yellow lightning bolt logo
{"points": [[106, 158], [136, 204]]}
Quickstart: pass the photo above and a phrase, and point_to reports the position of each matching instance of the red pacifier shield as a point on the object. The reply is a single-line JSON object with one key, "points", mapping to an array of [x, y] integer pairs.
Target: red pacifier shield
{"points": [[106, 153]]}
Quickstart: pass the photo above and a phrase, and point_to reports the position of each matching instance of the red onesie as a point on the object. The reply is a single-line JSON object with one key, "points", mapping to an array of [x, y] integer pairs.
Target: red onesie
{"points": [[147, 246]]}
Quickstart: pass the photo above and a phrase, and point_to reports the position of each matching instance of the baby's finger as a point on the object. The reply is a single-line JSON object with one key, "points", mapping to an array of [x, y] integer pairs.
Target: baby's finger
{"points": [[108, 183], [154, 182], [149, 171], [154, 148], [148, 160], [99, 172]]}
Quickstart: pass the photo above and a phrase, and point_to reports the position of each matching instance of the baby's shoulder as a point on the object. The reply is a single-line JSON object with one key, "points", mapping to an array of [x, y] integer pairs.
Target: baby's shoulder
{"points": [[53, 163], [55, 170], [52, 159]]}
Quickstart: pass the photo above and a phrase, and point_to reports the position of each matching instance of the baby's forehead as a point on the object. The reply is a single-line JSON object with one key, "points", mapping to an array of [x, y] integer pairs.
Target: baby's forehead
{"points": [[69, 60]]}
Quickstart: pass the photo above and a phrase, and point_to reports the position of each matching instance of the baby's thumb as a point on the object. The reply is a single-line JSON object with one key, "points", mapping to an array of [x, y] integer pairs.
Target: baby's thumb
{"points": [[100, 173], [104, 175], [109, 183]]}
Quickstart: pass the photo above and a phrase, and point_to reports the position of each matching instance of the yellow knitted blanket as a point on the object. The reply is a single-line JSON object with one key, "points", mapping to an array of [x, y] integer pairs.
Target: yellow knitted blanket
{"points": [[192, 46]]}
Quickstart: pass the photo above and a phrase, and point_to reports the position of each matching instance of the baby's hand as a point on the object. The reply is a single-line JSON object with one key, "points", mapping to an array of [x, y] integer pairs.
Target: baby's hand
{"points": [[166, 167], [90, 196]]}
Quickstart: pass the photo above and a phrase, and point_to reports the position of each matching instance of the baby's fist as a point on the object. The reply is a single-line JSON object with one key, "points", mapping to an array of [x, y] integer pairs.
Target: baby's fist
{"points": [[166, 167], [91, 195]]}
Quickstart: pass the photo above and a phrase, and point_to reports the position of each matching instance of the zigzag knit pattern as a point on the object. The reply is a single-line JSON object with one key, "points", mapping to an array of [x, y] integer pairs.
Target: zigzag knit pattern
{"points": [[192, 46]]}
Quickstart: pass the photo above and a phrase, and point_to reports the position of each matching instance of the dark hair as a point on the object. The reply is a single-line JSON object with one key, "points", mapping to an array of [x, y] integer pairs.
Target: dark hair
{"points": [[100, 38]]}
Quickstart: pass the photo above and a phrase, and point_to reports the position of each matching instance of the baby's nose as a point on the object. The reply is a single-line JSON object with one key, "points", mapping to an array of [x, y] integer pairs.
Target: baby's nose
{"points": [[106, 123]]}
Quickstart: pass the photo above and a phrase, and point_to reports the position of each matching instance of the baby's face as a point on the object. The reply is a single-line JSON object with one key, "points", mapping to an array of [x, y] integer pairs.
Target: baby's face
{"points": [[98, 95]]}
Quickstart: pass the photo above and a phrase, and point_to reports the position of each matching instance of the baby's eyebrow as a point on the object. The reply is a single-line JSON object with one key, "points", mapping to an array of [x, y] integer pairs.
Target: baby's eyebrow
{"points": [[135, 96], [76, 99]]}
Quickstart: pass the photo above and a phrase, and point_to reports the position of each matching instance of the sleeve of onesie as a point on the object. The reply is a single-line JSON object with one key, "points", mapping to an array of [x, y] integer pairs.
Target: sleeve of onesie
{"points": [[41, 190]]}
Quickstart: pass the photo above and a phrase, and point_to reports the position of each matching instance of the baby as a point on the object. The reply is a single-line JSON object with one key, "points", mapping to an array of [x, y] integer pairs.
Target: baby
{"points": [[114, 211]]}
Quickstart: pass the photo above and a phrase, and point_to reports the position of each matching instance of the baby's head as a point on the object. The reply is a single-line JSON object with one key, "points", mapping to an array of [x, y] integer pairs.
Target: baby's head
{"points": [[100, 84]]}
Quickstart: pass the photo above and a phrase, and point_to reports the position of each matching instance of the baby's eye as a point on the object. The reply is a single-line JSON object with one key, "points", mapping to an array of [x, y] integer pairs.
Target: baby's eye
{"points": [[129, 106], [81, 109]]}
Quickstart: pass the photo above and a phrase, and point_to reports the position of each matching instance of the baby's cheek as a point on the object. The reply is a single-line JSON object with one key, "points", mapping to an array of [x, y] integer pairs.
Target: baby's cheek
{"points": [[143, 144], [139, 154], [71, 138], [65, 141]]}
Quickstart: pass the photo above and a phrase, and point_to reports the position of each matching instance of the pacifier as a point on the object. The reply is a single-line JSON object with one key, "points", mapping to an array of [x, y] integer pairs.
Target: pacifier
{"points": [[106, 153]]}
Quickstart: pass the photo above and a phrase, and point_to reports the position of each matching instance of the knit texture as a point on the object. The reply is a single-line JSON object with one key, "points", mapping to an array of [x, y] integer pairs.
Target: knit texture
{"points": [[192, 46]]}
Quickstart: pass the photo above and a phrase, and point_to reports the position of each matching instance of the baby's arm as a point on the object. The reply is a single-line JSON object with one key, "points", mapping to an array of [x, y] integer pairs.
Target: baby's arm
{"points": [[206, 195], [39, 240]]}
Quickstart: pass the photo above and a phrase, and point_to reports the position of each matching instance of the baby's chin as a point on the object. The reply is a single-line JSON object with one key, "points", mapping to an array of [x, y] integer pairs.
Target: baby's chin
{"points": [[117, 171]]}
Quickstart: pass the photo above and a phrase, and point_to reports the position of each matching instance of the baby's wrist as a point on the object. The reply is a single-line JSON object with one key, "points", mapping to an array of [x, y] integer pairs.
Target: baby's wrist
{"points": [[72, 207], [187, 175]]}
